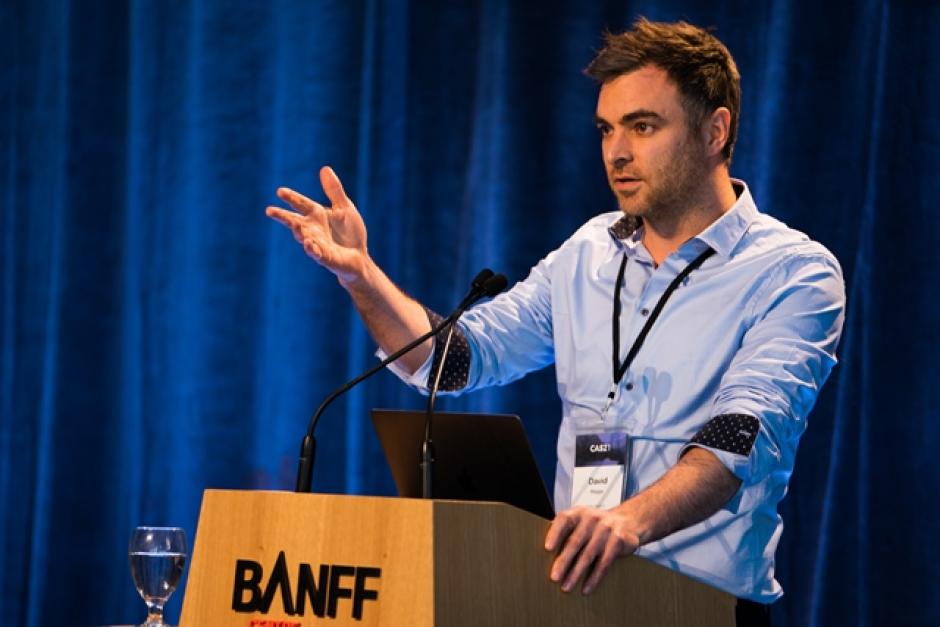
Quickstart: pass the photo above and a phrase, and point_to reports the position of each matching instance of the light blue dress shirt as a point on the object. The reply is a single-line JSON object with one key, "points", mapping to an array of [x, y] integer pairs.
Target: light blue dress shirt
{"points": [[753, 331]]}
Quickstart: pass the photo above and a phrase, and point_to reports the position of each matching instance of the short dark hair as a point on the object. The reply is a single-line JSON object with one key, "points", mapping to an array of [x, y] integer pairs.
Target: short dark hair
{"points": [[699, 65]]}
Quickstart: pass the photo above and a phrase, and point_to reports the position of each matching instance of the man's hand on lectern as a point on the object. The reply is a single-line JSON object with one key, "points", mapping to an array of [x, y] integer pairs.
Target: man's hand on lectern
{"points": [[588, 540], [334, 236]]}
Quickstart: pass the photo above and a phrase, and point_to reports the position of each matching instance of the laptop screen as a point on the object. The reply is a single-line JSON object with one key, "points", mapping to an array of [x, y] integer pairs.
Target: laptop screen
{"points": [[478, 457]]}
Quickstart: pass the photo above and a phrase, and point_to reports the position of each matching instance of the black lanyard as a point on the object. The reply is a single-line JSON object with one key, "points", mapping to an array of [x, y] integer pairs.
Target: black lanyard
{"points": [[620, 369]]}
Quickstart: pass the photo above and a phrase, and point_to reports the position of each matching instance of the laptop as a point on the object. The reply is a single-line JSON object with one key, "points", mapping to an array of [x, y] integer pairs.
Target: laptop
{"points": [[478, 457]]}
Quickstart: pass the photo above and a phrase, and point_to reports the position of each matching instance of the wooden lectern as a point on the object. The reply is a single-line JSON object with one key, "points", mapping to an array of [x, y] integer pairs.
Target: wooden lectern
{"points": [[281, 559]]}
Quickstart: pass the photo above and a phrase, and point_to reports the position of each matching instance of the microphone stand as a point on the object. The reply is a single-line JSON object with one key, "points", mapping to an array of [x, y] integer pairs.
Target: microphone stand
{"points": [[492, 286], [308, 447], [427, 447]]}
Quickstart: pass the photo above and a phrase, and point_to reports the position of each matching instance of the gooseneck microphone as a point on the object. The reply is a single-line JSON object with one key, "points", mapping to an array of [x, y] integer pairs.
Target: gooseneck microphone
{"points": [[492, 286], [308, 446]]}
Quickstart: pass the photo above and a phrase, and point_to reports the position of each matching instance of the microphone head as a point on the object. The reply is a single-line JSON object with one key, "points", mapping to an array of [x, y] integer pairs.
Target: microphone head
{"points": [[480, 279], [484, 284], [495, 284]]}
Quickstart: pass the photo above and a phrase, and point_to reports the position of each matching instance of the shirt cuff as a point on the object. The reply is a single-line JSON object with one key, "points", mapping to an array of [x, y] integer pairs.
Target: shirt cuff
{"points": [[456, 369], [417, 379]]}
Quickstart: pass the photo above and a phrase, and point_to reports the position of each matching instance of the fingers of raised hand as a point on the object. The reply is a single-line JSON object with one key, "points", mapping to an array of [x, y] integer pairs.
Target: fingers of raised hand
{"points": [[304, 231], [333, 188], [288, 218], [298, 201]]}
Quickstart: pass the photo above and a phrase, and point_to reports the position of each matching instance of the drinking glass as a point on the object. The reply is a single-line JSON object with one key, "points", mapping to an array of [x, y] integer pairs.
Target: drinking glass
{"points": [[157, 556]]}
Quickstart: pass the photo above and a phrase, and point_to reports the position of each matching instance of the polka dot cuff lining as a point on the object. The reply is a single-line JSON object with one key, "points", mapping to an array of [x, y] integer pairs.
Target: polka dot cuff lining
{"points": [[734, 433], [456, 371]]}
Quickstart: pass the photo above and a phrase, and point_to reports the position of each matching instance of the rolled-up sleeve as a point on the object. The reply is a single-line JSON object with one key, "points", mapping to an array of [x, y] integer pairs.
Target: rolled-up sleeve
{"points": [[500, 340], [764, 397], [511, 335]]}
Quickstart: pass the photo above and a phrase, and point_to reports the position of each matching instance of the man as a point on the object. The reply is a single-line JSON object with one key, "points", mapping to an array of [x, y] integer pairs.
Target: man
{"points": [[725, 324]]}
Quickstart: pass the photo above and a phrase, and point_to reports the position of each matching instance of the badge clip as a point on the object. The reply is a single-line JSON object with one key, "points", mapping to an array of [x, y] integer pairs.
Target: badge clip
{"points": [[611, 396]]}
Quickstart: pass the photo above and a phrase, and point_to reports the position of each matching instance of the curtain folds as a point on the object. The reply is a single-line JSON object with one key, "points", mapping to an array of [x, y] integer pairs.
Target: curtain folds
{"points": [[160, 336]]}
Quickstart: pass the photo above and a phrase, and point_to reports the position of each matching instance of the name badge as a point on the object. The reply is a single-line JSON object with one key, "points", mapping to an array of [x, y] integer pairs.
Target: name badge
{"points": [[600, 469]]}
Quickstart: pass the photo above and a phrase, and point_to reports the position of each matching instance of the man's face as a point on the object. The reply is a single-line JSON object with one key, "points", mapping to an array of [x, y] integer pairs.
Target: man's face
{"points": [[656, 165]]}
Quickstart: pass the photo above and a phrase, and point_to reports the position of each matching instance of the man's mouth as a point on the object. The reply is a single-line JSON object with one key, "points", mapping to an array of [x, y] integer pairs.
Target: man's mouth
{"points": [[625, 182]]}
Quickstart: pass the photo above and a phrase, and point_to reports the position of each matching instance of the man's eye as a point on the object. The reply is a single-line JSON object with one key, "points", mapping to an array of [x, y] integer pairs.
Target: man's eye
{"points": [[603, 129], [643, 128]]}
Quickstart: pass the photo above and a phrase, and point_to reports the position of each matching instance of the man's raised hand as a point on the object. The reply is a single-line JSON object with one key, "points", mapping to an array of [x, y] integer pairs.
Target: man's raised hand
{"points": [[334, 236]]}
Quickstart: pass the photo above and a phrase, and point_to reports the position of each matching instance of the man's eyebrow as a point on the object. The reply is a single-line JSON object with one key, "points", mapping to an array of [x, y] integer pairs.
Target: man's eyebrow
{"points": [[633, 116]]}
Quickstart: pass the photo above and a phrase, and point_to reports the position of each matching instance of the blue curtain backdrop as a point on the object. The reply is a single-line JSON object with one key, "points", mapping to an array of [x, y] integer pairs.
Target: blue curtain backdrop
{"points": [[160, 336]]}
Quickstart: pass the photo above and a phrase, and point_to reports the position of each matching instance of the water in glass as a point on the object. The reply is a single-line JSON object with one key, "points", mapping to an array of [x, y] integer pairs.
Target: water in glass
{"points": [[157, 556], [156, 574]]}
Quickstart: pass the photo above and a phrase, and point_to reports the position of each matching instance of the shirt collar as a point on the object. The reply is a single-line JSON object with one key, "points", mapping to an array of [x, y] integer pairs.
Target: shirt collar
{"points": [[722, 235], [627, 233], [624, 227]]}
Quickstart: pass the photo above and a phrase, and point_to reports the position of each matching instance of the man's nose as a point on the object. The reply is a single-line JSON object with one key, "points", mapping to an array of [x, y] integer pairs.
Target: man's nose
{"points": [[618, 154]]}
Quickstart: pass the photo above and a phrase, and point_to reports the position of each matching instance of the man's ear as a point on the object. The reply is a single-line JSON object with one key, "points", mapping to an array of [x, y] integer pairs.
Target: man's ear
{"points": [[715, 131]]}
